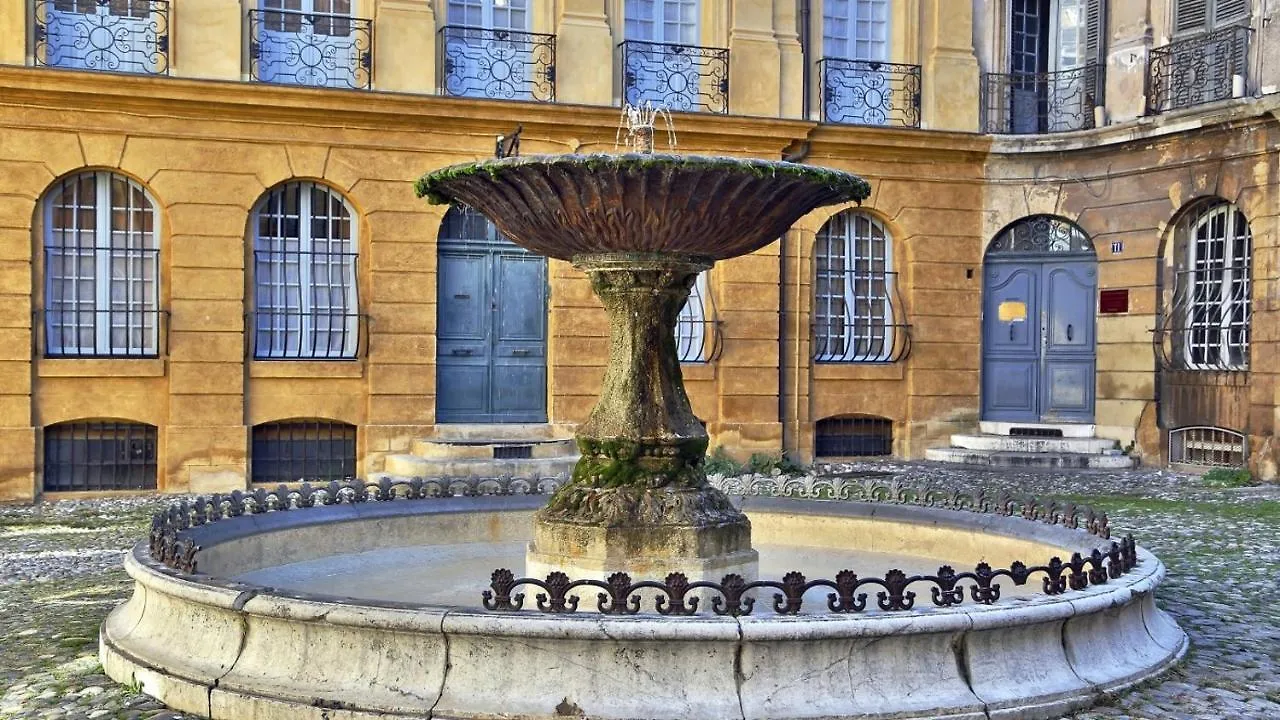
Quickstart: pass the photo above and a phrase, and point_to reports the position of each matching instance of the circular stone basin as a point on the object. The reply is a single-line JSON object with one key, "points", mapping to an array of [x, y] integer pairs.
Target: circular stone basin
{"points": [[372, 609]]}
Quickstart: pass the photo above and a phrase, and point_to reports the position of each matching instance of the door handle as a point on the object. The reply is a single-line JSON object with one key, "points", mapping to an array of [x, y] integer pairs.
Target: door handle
{"points": [[1068, 332], [460, 351], [1011, 331], [520, 353], [461, 296]]}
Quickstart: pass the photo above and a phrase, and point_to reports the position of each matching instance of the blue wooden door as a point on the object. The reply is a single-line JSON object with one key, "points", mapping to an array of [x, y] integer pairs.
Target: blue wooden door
{"points": [[491, 332], [1038, 360]]}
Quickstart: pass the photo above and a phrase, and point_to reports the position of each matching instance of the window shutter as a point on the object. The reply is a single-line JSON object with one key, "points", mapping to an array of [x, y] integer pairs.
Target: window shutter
{"points": [[1226, 12], [1093, 40], [1190, 15]]}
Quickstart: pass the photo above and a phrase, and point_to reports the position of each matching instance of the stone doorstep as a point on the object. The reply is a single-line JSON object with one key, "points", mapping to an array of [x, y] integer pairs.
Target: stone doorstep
{"points": [[1006, 443], [480, 449], [499, 432], [409, 466], [1007, 459], [1069, 430]]}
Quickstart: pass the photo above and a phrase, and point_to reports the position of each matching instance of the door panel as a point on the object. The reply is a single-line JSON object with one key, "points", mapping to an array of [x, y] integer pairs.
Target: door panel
{"points": [[1011, 339], [1069, 360], [491, 335]]}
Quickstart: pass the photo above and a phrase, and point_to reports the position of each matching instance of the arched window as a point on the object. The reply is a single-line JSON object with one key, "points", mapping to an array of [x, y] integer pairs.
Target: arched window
{"points": [[1207, 324], [99, 455], [101, 268], [854, 318], [295, 450], [304, 269]]}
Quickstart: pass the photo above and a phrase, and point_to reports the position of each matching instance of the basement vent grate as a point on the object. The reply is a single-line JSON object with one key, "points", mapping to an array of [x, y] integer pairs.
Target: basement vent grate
{"points": [[853, 436], [512, 452], [1207, 447], [1035, 432]]}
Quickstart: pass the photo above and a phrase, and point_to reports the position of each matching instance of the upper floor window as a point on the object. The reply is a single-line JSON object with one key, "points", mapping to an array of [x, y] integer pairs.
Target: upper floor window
{"points": [[1208, 59], [1055, 70], [855, 29], [662, 21], [858, 84], [119, 35], [1208, 319], [854, 313], [663, 64], [310, 42], [101, 268], [1194, 16], [697, 328], [487, 51], [304, 269]]}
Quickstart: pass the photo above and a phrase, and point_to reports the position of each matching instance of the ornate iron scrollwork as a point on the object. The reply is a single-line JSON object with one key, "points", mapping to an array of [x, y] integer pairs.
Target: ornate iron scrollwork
{"points": [[675, 77], [1041, 234], [314, 49], [869, 92], [103, 35], [497, 64], [1197, 70], [1033, 103]]}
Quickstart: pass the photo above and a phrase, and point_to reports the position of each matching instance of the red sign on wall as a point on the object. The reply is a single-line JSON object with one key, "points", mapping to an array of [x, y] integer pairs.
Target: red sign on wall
{"points": [[1111, 302]]}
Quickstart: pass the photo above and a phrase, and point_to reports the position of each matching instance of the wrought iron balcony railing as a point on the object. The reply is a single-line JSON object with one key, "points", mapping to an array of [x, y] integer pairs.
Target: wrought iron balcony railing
{"points": [[868, 92], [117, 35], [1028, 104], [860, 320], [496, 64], [1207, 323], [313, 49], [1197, 70], [70, 331], [290, 334], [676, 77]]}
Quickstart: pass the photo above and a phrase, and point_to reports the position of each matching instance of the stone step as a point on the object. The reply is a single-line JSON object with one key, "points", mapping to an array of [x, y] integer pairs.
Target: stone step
{"points": [[414, 466], [1067, 430], [498, 432], [489, 448], [994, 458], [1006, 443]]}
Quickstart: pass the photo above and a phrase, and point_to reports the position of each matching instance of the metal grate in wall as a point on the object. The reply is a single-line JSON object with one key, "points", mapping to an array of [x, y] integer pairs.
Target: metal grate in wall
{"points": [[296, 450], [99, 456], [1207, 447], [853, 436], [512, 452]]}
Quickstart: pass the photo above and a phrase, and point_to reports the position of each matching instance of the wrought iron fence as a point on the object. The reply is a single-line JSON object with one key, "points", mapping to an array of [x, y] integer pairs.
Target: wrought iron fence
{"points": [[862, 322], [313, 49], [118, 35], [675, 77], [293, 450], [72, 331], [869, 92], [1206, 325], [99, 456], [1197, 70], [1025, 103], [292, 334], [497, 64]]}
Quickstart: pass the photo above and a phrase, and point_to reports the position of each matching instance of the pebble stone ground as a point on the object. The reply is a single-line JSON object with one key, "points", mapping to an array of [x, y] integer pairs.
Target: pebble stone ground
{"points": [[60, 575]]}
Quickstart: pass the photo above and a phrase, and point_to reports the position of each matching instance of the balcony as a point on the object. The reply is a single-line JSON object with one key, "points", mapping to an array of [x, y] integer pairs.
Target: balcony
{"points": [[1198, 70], [868, 92], [1028, 104], [113, 35], [676, 77], [496, 64], [312, 49]]}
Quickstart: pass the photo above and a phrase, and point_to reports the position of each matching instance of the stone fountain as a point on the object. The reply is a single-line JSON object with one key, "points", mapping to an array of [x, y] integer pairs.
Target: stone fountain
{"points": [[642, 226]]}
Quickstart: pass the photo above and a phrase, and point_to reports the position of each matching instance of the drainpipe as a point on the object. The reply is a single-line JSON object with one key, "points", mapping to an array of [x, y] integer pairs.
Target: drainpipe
{"points": [[795, 156], [804, 57]]}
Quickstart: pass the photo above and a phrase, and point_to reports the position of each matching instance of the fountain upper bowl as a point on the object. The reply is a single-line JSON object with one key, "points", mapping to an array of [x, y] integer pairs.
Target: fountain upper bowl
{"points": [[563, 206]]}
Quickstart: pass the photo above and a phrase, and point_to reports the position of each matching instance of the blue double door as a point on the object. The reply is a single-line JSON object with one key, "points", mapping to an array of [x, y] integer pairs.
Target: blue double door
{"points": [[1038, 340], [491, 333]]}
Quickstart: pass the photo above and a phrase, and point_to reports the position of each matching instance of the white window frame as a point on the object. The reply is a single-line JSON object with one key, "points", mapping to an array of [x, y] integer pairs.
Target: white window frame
{"points": [[864, 37], [863, 284], [288, 282], [679, 31], [494, 15], [692, 325], [1219, 284], [137, 259]]}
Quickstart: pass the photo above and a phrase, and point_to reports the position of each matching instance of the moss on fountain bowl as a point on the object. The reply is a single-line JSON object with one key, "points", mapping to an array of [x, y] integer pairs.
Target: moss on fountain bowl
{"points": [[567, 205]]}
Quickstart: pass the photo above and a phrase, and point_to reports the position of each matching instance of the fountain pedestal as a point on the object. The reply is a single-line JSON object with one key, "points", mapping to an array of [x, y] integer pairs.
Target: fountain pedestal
{"points": [[639, 501]]}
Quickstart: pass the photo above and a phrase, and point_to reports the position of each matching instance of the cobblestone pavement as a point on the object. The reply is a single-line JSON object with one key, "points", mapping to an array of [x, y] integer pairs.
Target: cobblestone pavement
{"points": [[60, 575]]}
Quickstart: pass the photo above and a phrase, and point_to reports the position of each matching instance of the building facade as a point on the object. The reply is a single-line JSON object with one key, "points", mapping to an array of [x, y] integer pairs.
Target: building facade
{"points": [[215, 272]]}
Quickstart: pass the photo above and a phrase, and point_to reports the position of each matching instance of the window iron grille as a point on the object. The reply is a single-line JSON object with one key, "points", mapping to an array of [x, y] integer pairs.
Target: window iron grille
{"points": [[1197, 70], [496, 63], [303, 450], [329, 50], [853, 436], [1037, 103], [1040, 234], [113, 35], [698, 336], [95, 456], [71, 332], [685, 78], [281, 334], [1207, 447], [869, 92]]}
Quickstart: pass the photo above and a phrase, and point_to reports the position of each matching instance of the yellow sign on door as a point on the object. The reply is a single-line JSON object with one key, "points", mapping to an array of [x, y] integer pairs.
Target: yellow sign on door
{"points": [[1013, 311]]}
